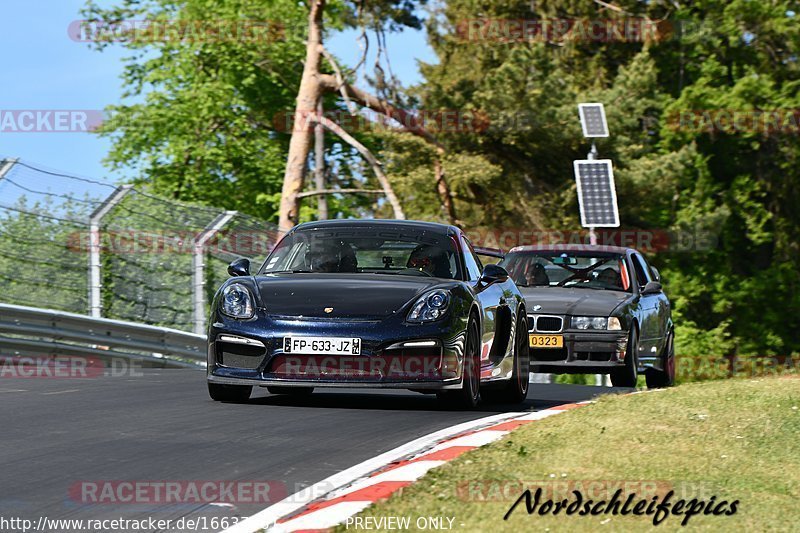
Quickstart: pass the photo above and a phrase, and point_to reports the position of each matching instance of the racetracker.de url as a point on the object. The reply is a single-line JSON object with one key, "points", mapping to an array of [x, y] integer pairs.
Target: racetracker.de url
{"points": [[57, 525]]}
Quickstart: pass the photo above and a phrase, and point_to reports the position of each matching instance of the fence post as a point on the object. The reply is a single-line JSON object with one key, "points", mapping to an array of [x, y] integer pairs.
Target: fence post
{"points": [[6, 165], [199, 268], [95, 299]]}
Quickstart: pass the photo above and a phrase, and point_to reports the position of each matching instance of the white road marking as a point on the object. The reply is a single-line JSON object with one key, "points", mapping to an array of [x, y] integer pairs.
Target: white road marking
{"points": [[60, 392], [298, 500]]}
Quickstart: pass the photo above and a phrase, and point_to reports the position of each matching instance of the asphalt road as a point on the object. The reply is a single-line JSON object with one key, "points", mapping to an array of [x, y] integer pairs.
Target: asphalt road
{"points": [[60, 436]]}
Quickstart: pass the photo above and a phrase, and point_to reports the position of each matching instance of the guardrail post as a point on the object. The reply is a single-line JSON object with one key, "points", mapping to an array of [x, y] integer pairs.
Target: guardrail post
{"points": [[95, 298], [199, 268]]}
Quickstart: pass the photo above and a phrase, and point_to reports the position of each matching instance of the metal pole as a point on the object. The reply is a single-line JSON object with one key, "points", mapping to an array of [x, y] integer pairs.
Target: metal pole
{"points": [[95, 300], [592, 236], [7, 165], [199, 268], [319, 166]]}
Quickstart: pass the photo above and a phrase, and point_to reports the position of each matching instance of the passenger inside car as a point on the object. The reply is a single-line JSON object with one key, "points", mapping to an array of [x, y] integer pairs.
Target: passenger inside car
{"points": [[430, 259]]}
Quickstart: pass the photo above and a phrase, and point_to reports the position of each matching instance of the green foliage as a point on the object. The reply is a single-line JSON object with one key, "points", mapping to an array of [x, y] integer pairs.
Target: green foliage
{"points": [[726, 198]]}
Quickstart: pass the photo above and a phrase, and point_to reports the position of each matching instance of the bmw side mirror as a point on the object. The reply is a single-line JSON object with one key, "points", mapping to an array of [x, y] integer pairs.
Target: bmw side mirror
{"points": [[652, 287], [240, 267], [494, 273]]}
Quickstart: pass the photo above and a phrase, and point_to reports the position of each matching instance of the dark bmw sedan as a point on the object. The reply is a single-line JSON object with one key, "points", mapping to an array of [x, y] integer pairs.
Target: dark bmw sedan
{"points": [[370, 303], [595, 309]]}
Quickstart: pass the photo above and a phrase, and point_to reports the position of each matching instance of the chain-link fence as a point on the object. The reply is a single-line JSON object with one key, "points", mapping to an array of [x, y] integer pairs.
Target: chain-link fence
{"points": [[92, 247]]}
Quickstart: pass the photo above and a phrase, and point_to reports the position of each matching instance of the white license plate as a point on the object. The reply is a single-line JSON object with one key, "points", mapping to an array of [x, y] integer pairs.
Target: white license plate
{"points": [[322, 345]]}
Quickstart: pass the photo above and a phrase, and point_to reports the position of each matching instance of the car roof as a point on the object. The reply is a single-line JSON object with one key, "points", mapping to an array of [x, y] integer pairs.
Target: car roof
{"points": [[572, 248], [444, 229]]}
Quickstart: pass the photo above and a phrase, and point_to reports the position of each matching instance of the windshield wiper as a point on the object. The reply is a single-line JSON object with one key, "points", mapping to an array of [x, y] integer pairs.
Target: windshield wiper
{"points": [[296, 271]]}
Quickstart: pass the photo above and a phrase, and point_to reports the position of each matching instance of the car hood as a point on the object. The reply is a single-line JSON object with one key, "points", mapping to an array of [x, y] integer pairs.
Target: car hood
{"points": [[363, 296], [566, 301]]}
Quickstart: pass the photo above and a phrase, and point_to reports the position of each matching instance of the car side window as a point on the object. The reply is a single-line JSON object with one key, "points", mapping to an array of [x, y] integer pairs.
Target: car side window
{"points": [[642, 270], [474, 267]]}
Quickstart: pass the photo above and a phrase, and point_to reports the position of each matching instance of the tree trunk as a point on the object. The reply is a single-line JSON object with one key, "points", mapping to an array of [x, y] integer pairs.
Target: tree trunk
{"points": [[307, 97], [319, 166]]}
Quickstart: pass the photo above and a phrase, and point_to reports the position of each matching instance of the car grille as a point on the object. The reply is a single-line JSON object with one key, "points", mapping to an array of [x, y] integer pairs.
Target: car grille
{"points": [[546, 323]]}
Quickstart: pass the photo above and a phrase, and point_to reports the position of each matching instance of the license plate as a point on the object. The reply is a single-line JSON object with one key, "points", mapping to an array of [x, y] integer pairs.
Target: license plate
{"points": [[322, 345], [546, 341]]}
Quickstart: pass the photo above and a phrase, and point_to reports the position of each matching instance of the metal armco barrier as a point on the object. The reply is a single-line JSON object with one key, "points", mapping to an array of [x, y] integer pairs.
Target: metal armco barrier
{"points": [[43, 332]]}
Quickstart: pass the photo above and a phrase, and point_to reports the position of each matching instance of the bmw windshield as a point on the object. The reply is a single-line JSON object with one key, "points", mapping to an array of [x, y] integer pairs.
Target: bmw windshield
{"points": [[588, 270]]}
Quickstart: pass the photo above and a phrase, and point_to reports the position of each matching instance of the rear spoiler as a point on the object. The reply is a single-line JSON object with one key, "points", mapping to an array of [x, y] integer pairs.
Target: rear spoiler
{"points": [[491, 252]]}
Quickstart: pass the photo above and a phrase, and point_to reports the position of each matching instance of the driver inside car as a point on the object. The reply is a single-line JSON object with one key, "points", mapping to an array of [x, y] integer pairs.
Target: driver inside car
{"points": [[608, 276], [327, 256], [430, 259]]}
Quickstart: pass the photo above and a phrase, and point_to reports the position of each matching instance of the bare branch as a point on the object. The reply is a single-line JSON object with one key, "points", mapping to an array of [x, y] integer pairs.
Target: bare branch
{"points": [[366, 154], [339, 79], [318, 192]]}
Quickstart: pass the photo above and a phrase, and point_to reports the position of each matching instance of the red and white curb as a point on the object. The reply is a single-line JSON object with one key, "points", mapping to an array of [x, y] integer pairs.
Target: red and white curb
{"points": [[333, 500]]}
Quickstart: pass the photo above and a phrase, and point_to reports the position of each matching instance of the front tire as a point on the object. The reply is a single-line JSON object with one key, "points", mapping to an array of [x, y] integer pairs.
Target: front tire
{"points": [[659, 379], [468, 396], [515, 390], [628, 375], [229, 393]]}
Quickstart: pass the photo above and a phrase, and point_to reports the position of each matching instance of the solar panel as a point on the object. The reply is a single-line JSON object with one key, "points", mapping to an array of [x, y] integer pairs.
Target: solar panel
{"points": [[597, 196], [593, 120]]}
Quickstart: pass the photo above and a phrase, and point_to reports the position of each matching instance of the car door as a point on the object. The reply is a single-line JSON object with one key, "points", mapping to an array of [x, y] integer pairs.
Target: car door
{"points": [[649, 335], [491, 298]]}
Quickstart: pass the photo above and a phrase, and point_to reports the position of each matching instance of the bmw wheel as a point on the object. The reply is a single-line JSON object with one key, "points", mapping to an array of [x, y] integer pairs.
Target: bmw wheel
{"points": [[629, 374], [657, 379]]}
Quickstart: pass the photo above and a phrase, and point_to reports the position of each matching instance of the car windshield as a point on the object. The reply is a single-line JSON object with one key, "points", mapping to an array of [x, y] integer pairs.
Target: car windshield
{"points": [[399, 250], [582, 270]]}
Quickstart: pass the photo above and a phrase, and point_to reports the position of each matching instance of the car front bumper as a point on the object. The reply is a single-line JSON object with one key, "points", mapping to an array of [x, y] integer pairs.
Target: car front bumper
{"points": [[250, 352], [583, 352]]}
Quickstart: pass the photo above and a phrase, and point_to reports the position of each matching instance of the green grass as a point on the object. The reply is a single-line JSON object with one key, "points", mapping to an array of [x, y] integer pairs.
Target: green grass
{"points": [[734, 439]]}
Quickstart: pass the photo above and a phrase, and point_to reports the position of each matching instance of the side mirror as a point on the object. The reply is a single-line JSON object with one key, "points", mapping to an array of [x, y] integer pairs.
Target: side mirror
{"points": [[240, 267], [652, 287], [656, 275], [493, 273]]}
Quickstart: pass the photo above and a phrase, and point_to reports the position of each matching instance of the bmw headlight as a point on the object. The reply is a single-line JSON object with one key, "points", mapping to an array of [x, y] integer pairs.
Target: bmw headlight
{"points": [[589, 322], [237, 301], [430, 306]]}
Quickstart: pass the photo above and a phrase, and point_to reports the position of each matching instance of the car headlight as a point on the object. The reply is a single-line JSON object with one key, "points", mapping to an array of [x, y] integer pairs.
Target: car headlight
{"points": [[237, 301], [430, 306], [589, 322]]}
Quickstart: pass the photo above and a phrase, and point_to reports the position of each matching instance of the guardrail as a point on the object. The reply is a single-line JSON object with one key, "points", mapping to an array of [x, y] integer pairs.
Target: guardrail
{"points": [[44, 332]]}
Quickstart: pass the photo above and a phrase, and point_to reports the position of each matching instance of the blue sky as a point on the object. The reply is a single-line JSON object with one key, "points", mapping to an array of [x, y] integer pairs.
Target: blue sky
{"points": [[45, 70]]}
